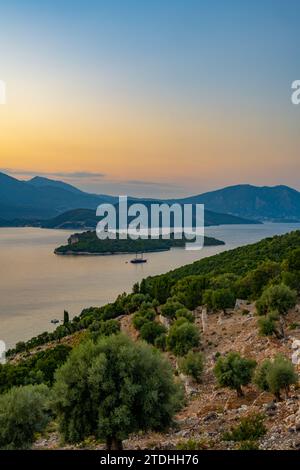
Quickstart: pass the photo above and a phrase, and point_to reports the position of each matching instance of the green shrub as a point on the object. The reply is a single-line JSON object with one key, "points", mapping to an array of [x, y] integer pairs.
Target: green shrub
{"points": [[276, 375], [192, 444], [161, 342], [233, 371], [113, 388], [266, 326], [281, 375], [293, 260], [151, 330], [250, 428], [248, 445], [223, 299], [103, 328], [38, 368], [142, 317], [170, 308], [278, 297], [185, 313], [188, 290], [23, 412], [183, 337], [192, 364], [260, 376]]}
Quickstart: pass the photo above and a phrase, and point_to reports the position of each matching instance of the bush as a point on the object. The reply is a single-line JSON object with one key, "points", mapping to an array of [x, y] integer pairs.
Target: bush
{"points": [[260, 376], [248, 445], [192, 364], [183, 337], [161, 342], [293, 260], [103, 328], [266, 326], [113, 388], [278, 297], [185, 313], [276, 375], [233, 371], [170, 308], [143, 316], [252, 284], [23, 412], [250, 428], [222, 299], [189, 290], [151, 330], [38, 368], [192, 444]]}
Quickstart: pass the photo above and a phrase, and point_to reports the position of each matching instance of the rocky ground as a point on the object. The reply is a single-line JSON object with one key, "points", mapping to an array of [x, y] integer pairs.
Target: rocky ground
{"points": [[210, 410]]}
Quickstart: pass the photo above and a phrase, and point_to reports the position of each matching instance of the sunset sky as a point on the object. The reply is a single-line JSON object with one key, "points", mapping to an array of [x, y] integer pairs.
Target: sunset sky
{"points": [[160, 97]]}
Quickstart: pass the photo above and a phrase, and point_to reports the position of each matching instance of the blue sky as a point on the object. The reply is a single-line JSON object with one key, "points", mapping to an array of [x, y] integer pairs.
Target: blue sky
{"points": [[187, 95]]}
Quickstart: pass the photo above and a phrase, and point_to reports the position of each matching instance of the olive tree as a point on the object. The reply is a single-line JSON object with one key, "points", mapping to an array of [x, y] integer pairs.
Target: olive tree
{"points": [[192, 364], [182, 337], [234, 371], [278, 297], [274, 376], [23, 412], [112, 388]]}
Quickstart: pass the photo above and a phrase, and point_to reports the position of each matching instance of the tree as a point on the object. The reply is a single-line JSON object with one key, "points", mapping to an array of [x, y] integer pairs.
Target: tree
{"points": [[182, 337], [276, 375], [142, 317], [252, 284], [293, 260], [192, 364], [189, 291], [136, 288], [23, 412], [234, 371], [160, 289], [66, 317], [278, 297], [185, 313], [103, 328], [260, 376], [219, 299], [222, 299], [20, 347], [161, 342], [113, 388], [151, 330], [207, 298], [170, 308]]}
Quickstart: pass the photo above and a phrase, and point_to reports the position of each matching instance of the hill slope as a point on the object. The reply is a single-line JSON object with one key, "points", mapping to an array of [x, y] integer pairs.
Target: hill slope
{"points": [[262, 203]]}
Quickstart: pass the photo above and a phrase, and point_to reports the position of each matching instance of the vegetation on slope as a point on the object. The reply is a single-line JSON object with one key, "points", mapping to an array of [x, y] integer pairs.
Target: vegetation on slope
{"points": [[133, 372], [89, 243]]}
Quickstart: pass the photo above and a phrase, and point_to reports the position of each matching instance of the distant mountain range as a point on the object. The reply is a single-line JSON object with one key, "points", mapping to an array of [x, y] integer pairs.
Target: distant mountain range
{"points": [[56, 204], [276, 203], [42, 198]]}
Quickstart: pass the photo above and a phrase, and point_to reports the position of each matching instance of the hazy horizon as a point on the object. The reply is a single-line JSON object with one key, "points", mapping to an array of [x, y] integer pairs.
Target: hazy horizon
{"points": [[99, 190]]}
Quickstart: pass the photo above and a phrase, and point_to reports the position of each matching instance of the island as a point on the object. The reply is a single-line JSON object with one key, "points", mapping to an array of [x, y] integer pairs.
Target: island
{"points": [[87, 243]]}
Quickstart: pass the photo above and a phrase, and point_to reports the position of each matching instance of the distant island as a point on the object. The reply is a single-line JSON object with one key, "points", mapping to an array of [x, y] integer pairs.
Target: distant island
{"points": [[88, 243]]}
